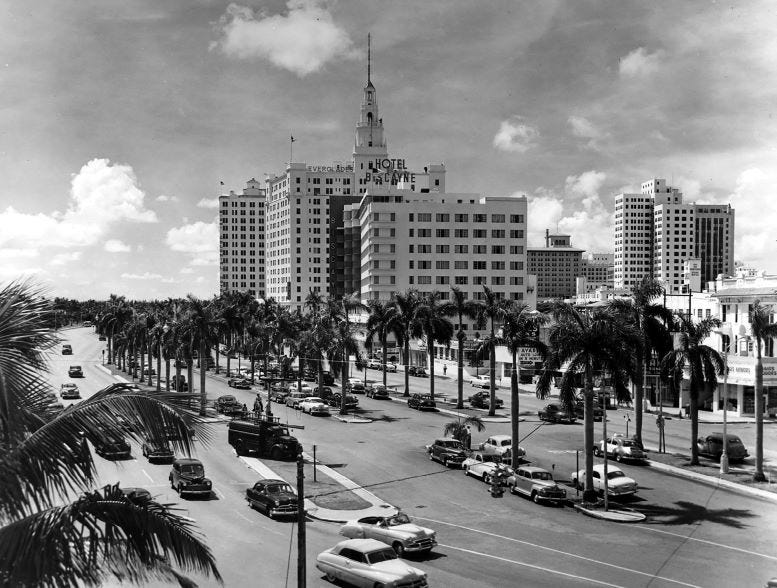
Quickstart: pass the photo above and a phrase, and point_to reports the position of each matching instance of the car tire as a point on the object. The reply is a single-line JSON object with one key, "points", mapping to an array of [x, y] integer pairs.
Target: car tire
{"points": [[486, 478], [535, 497], [445, 462], [399, 549], [240, 448], [619, 458], [597, 452], [331, 578], [431, 456], [275, 453], [466, 471]]}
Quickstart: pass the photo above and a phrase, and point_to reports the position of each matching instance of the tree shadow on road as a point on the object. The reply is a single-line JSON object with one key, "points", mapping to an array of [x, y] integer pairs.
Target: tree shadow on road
{"points": [[687, 513]]}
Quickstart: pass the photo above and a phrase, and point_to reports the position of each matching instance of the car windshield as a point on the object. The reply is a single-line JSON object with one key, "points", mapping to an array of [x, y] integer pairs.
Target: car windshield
{"points": [[398, 519], [628, 443], [313, 399], [193, 469], [278, 488], [228, 399], [505, 442], [615, 474], [453, 444], [541, 476], [381, 555]]}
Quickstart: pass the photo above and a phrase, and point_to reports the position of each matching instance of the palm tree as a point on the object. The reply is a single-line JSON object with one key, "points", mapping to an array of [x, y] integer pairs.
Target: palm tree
{"points": [[45, 458], [458, 428], [202, 330], [702, 362], [430, 322], [587, 343], [520, 331], [343, 343], [460, 307], [762, 327], [382, 322], [491, 308], [651, 321], [406, 304]]}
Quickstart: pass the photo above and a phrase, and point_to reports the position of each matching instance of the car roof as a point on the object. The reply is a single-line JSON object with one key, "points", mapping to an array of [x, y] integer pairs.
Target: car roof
{"points": [[500, 437], [271, 481], [363, 545], [533, 469], [187, 461], [610, 468], [719, 435]]}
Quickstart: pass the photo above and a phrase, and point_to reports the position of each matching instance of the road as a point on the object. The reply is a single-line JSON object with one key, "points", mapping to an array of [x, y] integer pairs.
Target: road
{"points": [[695, 535]]}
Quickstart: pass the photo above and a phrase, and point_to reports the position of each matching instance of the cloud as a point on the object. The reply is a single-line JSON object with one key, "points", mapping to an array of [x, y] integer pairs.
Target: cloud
{"points": [[753, 229], [515, 136], [18, 253], [63, 258], [301, 41], [101, 195], [116, 246], [639, 63], [199, 239], [144, 276], [585, 129], [186, 270], [586, 184], [208, 203], [163, 198]]}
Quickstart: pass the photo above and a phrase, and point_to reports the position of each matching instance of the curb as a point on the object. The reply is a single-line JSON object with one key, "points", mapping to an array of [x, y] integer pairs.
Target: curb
{"points": [[615, 516], [351, 420], [710, 481]]}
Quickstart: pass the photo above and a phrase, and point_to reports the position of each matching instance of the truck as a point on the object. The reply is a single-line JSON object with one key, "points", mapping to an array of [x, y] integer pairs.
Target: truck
{"points": [[265, 437]]}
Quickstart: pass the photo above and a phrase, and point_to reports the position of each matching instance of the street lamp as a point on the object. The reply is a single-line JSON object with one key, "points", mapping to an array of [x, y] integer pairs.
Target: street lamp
{"points": [[165, 329], [729, 335]]}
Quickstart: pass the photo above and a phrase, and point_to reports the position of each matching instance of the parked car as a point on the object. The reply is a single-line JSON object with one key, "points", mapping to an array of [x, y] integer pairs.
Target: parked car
{"points": [[158, 451], [327, 379], [396, 530], [368, 562], [374, 364], [149, 371], [448, 451], [555, 413], [351, 401], [136, 494], [188, 477], [179, 384], [618, 483], [712, 446], [355, 386], [536, 483], [111, 447], [74, 371], [421, 402], [102, 338], [483, 466], [228, 405], [483, 381], [323, 392], [501, 445], [378, 392], [417, 370], [279, 396], [274, 497], [482, 399], [314, 405], [240, 383], [294, 398], [580, 410], [69, 391], [621, 448], [67, 349]]}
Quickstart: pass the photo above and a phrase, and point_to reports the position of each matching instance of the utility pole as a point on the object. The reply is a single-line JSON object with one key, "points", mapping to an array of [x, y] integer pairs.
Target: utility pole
{"points": [[301, 566]]}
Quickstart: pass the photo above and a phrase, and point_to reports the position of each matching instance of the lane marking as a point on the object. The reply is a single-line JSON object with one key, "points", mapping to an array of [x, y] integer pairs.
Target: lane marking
{"points": [[558, 551], [722, 545], [218, 493], [535, 567], [245, 518], [145, 473]]}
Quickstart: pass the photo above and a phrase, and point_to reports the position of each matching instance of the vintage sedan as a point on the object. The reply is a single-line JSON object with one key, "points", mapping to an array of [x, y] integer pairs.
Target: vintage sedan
{"points": [[712, 446], [536, 483], [397, 531], [228, 404], [482, 399], [421, 402], [75, 371], [621, 448], [378, 392], [112, 447], [274, 497], [351, 402], [158, 451], [555, 413], [69, 392], [314, 405], [483, 382], [483, 466], [239, 382], [618, 483], [448, 451], [501, 445], [368, 563], [188, 477]]}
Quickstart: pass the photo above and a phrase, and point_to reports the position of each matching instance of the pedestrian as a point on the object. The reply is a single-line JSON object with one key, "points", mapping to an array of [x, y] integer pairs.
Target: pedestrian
{"points": [[444, 369], [467, 437], [244, 411], [258, 408]]}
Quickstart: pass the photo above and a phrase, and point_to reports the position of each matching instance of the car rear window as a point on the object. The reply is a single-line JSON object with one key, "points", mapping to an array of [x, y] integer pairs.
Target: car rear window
{"points": [[381, 555]]}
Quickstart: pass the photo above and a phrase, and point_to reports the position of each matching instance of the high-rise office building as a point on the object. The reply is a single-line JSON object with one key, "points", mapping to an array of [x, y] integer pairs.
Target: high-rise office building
{"points": [[557, 266], [241, 245], [597, 269]]}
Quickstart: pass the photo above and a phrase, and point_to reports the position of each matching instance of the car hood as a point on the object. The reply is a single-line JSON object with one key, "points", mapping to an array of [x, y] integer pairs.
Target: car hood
{"points": [[412, 530], [195, 479], [618, 482], [545, 483], [284, 498]]}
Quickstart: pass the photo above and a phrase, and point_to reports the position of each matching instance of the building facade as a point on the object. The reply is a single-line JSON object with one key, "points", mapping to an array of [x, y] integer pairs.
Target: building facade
{"points": [[557, 267], [597, 269], [241, 240]]}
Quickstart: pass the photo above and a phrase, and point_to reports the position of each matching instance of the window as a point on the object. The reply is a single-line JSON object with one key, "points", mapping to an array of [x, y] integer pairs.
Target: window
{"points": [[442, 264], [424, 279], [497, 265], [516, 218], [497, 234], [479, 280], [424, 217], [517, 234], [516, 249], [516, 265], [498, 249], [478, 265], [479, 233], [461, 233], [443, 249], [424, 233], [460, 264], [497, 280], [461, 218], [480, 249], [424, 264], [461, 248], [442, 280], [480, 218], [443, 233], [442, 217], [424, 249], [516, 280], [497, 218]]}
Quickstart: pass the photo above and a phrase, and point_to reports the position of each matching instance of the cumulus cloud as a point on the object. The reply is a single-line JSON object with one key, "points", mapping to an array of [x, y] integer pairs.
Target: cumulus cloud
{"points": [[515, 136], [199, 239], [639, 63], [586, 184], [116, 246], [186, 270], [301, 41], [585, 129], [143, 276], [164, 198], [753, 229], [208, 203]]}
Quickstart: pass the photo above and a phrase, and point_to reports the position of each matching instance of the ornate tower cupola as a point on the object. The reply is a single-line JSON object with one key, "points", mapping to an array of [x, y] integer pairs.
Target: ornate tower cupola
{"points": [[369, 129]]}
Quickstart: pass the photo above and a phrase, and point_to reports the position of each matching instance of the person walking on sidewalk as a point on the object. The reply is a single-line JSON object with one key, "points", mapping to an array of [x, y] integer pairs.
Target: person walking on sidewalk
{"points": [[444, 369]]}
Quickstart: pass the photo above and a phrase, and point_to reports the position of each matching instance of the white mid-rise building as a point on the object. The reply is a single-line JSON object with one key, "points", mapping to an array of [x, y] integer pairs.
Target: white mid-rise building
{"points": [[241, 240]]}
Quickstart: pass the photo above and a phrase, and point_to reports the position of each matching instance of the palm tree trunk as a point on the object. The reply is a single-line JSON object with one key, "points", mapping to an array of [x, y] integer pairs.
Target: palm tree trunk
{"points": [[159, 369], [203, 364], [694, 407], [759, 476], [407, 362], [588, 437], [343, 407], [430, 353], [514, 412], [460, 369], [384, 349], [167, 374], [639, 398]]}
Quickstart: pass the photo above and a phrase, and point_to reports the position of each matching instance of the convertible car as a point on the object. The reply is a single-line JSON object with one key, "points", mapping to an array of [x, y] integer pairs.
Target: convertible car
{"points": [[397, 531]]}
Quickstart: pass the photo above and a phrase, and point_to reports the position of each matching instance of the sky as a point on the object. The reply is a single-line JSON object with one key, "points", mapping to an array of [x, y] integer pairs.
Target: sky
{"points": [[120, 120]]}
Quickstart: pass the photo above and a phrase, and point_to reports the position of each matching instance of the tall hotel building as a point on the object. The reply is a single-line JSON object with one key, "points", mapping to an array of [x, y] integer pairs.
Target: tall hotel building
{"points": [[241, 234], [373, 226], [656, 233]]}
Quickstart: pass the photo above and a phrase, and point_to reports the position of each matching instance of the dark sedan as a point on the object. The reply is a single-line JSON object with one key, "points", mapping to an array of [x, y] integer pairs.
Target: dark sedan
{"points": [[241, 383], [483, 400], [421, 402], [274, 497], [335, 399], [158, 451], [555, 413], [712, 446]]}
